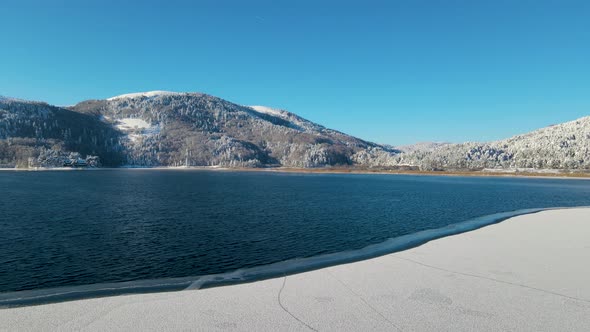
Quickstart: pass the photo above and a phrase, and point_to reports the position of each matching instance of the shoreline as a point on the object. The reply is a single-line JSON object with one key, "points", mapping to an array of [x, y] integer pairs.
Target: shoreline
{"points": [[498, 174], [525, 273], [294, 266]]}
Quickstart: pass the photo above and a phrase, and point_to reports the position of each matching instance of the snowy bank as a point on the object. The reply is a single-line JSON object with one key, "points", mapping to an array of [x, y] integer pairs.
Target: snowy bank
{"points": [[526, 273]]}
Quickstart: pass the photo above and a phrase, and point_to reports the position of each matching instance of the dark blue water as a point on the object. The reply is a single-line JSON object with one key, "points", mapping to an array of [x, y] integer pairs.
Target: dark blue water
{"points": [[87, 227]]}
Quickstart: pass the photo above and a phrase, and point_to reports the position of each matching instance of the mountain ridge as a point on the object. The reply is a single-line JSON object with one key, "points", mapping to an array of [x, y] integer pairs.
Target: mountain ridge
{"points": [[160, 128], [559, 146], [164, 128]]}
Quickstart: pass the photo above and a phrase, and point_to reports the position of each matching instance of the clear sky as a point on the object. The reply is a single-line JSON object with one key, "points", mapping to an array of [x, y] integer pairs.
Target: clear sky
{"points": [[396, 72]]}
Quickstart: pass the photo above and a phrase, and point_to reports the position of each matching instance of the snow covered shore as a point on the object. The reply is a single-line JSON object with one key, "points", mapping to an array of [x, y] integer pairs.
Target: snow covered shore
{"points": [[526, 273]]}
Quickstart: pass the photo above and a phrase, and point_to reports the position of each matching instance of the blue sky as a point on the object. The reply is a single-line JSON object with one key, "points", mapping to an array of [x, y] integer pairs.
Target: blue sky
{"points": [[393, 72]]}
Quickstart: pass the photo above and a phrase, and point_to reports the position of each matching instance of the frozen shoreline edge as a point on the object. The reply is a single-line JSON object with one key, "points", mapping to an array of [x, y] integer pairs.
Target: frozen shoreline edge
{"points": [[275, 270]]}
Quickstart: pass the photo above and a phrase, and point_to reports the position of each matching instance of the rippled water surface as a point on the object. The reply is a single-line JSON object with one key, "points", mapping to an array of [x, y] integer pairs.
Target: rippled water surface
{"points": [[85, 227]]}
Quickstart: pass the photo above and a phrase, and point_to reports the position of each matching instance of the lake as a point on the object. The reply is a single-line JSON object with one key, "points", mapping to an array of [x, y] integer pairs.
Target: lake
{"points": [[121, 227]]}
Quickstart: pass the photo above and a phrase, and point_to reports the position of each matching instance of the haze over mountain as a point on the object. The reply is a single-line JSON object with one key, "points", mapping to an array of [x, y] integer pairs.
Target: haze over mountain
{"points": [[161, 128]]}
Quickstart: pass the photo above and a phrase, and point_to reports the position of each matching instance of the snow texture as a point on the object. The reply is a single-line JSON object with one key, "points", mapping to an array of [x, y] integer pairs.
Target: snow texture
{"points": [[267, 110], [563, 146], [144, 94]]}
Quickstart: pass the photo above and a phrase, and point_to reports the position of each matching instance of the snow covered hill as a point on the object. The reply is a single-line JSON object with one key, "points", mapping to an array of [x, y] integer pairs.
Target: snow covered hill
{"points": [[560, 147], [421, 146], [170, 129], [163, 128], [35, 134], [145, 94]]}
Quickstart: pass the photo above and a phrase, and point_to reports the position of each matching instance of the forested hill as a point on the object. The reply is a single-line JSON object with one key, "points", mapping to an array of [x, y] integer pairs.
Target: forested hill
{"points": [[173, 129], [162, 128], [194, 129], [38, 134], [564, 146]]}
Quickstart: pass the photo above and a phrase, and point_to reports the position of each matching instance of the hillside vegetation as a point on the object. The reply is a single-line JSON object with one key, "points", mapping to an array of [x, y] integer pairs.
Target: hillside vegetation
{"points": [[162, 128], [565, 146]]}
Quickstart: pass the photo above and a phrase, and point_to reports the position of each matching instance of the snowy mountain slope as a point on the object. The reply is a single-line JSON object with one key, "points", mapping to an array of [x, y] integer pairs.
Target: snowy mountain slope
{"points": [[562, 146], [421, 146], [144, 94], [162, 128], [7, 99], [38, 134], [267, 110], [196, 129]]}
